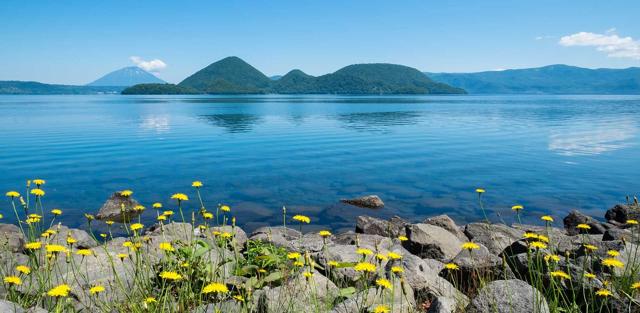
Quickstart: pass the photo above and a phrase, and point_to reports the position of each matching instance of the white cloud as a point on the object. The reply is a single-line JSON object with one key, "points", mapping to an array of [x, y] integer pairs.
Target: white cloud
{"points": [[542, 37], [610, 43], [154, 65]]}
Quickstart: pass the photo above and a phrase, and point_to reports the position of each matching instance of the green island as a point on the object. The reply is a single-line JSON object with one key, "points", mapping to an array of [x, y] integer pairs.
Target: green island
{"points": [[203, 261], [232, 75]]}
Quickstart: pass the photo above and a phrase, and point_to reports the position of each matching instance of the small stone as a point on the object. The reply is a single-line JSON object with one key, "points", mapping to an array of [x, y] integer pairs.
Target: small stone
{"points": [[370, 202]]}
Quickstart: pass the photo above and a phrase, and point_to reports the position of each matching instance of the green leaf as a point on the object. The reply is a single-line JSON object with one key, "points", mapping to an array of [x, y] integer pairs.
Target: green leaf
{"points": [[345, 292], [345, 264], [273, 277]]}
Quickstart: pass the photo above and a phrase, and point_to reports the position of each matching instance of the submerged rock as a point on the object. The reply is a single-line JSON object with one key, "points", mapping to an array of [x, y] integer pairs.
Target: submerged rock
{"points": [[118, 208], [508, 296], [370, 202]]}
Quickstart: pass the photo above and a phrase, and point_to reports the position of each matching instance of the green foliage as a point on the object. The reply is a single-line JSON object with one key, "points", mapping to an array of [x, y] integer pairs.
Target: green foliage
{"points": [[158, 89], [553, 79], [230, 75]]}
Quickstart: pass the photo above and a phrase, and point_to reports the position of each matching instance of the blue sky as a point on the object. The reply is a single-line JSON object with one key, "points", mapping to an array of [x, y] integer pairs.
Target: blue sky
{"points": [[75, 42]]}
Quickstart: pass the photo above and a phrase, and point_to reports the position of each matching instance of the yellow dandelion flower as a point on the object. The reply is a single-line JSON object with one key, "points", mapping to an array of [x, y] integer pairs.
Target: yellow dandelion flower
{"points": [[225, 208], [560, 274], [23, 269], [298, 264], [611, 262], [170, 275], [381, 309], [589, 247], [394, 256], [89, 217], [96, 289], [84, 252], [139, 208], [121, 256], [157, 205], [613, 253], [162, 218], [470, 246], [166, 246], [196, 184], [538, 245], [55, 248], [136, 226], [543, 238], [38, 182], [59, 291], [109, 223], [167, 213], [384, 283], [517, 208], [239, 298], [632, 222], [552, 257], [13, 280], [215, 288], [635, 286], [530, 236], [150, 300], [403, 238], [293, 255], [603, 293], [480, 190], [37, 192], [397, 269], [302, 219], [547, 218], [589, 275], [56, 211], [307, 274], [207, 215], [451, 266], [333, 263], [33, 245], [364, 251], [365, 267], [126, 193], [324, 233], [179, 197], [12, 194], [583, 226]]}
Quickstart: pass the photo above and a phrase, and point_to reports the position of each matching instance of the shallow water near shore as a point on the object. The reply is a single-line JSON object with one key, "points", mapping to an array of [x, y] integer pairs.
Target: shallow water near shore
{"points": [[423, 155]]}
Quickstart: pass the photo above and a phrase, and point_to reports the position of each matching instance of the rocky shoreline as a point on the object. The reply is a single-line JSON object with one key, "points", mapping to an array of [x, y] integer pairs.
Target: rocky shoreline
{"points": [[499, 268]]}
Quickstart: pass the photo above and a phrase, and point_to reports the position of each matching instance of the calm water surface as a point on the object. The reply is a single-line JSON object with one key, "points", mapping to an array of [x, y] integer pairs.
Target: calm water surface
{"points": [[423, 155]]}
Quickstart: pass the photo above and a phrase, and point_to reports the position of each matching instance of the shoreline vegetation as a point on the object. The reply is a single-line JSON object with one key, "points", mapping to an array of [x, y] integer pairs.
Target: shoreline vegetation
{"points": [[202, 261]]}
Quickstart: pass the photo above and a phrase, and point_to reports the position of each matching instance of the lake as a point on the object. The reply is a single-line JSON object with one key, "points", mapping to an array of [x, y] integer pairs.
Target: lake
{"points": [[423, 155]]}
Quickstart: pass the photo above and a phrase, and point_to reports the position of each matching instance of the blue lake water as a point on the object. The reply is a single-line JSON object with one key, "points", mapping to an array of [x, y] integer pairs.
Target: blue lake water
{"points": [[423, 155]]}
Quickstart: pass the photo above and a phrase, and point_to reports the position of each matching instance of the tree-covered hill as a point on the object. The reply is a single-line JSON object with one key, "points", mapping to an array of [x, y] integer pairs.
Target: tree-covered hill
{"points": [[159, 89]]}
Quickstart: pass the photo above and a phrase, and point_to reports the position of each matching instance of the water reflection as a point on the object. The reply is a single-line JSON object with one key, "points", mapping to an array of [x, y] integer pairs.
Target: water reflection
{"points": [[378, 121], [233, 123], [159, 124], [590, 139]]}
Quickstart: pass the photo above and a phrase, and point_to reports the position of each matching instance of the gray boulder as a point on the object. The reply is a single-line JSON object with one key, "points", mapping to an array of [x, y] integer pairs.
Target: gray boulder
{"points": [[475, 265], [299, 294], [11, 238], [375, 226], [617, 234], [433, 242], [370, 202], [507, 296], [239, 236], [118, 208], [10, 307], [496, 237], [401, 296], [575, 218], [372, 242], [279, 236], [447, 223], [620, 213], [83, 239]]}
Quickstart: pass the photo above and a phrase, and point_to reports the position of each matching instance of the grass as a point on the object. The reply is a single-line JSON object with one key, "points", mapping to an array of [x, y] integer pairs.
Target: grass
{"points": [[184, 264]]}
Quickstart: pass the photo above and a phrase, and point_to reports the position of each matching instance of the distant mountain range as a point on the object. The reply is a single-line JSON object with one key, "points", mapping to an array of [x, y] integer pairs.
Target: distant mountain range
{"points": [[126, 77], [232, 75], [12, 87], [552, 79]]}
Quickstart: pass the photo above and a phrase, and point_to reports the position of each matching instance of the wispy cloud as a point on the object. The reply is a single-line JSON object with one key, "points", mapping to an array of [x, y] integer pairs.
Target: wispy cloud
{"points": [[542, 37], [154, 65], [609, 42]]}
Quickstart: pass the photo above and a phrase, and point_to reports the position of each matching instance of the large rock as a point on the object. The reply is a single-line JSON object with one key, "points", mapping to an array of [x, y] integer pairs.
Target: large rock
{"points": [[447, 223], [11, 238], [10, 307], [401, 298], [83, 239], [375, 226], [477, 267], [507, 296], [118, 208], [370, 202], [496, 237], [620, 213], [373, 242], [343, 254], [298, 295], [423, 278], [279, 236], [433, 242], [239, 236], [575, 218]]}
